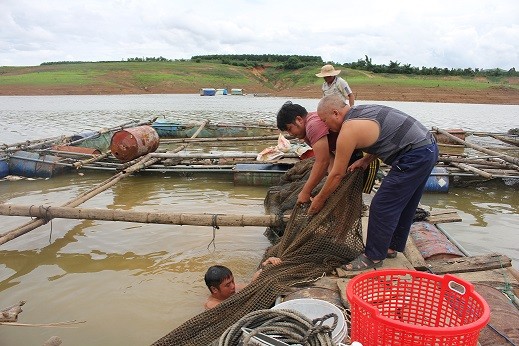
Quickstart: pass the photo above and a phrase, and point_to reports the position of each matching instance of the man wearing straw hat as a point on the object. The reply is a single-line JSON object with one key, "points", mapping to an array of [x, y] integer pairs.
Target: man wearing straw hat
{"points": [[333, 84]]}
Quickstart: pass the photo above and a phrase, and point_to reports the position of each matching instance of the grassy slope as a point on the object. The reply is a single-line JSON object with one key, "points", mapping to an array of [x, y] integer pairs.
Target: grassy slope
{"points": [[188, 77]]}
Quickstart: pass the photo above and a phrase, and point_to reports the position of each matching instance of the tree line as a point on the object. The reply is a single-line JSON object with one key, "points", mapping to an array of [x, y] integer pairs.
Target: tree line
{"points": [[294, 62], [398, 68], [289, 62]]}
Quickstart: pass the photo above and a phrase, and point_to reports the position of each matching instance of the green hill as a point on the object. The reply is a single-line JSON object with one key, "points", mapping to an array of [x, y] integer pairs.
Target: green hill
{"points": [[189, 76]]}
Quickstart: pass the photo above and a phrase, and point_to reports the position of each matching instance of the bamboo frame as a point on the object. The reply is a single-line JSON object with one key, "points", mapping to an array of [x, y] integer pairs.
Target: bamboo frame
{"points": [[168, 218]]}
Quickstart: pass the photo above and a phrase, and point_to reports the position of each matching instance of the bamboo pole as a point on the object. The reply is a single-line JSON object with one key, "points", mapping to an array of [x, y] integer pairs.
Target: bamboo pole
{"points": [[212, 155], [469, 168], [219, 139], [507, 140], [475, 161], [41, 143], [92, 160], [168, 218], [37, 144], [143, 162], [505, 157], [112, 129], [484, 134]]}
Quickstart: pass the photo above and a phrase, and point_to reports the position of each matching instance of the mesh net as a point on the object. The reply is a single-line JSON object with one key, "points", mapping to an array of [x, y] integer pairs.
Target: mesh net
{"points": [[310, 246], [281, 199]]}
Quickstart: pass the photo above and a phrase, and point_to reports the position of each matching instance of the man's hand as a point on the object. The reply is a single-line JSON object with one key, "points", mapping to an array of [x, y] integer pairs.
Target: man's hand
{"points": [[359, 164], [272, 260], [316, 206], [303, 197]]}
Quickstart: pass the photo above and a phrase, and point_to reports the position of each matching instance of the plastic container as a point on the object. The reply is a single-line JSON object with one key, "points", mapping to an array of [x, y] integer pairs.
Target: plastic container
{"points": [[438, 181], [316, 308], [402, 307], [133, 142], [258, 174], [33, 165], [4, 168]]}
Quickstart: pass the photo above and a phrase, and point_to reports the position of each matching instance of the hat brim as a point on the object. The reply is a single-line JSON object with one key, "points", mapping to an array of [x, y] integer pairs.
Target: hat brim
{"points": [[328, 74]]}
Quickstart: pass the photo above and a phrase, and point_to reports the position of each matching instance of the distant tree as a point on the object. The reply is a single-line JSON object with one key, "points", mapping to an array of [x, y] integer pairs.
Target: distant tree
{"points": [[293, 63]]}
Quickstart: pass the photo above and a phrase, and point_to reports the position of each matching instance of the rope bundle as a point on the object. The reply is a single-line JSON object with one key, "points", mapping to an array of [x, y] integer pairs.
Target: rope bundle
{"points": [[291, 326]]}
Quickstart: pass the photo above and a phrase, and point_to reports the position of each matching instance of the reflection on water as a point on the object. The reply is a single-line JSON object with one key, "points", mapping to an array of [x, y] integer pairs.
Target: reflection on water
{"points": [[133, 282], [150, 276]]}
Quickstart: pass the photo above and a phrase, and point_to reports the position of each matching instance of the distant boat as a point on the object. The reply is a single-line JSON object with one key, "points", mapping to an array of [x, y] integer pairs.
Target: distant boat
{"points": [[221, 91], [207, 91], [236, 91]]}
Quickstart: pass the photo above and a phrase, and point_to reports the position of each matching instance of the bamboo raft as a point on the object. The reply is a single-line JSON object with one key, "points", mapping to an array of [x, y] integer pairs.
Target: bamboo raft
{"points": [[493, 269], [492, 276], [492, 165], [488, 163]]}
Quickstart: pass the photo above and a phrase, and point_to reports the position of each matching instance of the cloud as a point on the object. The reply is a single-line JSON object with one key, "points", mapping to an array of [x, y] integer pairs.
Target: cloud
{"points": [[454, 34]]}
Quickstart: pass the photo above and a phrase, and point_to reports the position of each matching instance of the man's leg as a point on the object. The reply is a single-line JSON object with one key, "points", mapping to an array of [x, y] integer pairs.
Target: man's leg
{"points": [[400, 189]]}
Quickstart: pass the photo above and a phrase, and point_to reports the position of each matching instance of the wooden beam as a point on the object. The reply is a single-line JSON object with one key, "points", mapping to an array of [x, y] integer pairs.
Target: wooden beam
{"points": [[171, 218], [469, 168], [414, 256], [469, 264], [508, 158]]}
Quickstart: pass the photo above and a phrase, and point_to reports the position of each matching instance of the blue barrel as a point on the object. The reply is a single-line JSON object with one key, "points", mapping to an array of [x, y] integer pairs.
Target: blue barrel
{"points": [[4, 168], [438, 181], [33, 165]]}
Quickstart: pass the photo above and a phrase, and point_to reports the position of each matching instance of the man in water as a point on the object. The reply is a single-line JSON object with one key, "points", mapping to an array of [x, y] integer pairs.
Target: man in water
{"points": [[220, 281], [398, 140]]}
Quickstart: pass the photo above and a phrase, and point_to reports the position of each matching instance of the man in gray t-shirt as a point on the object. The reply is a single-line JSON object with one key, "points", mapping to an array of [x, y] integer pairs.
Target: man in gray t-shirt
{"points": [[398, 140]]}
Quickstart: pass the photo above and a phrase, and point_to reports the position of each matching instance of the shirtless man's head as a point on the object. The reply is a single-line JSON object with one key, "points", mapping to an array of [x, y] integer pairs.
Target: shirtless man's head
{"points": [[220, 281]]}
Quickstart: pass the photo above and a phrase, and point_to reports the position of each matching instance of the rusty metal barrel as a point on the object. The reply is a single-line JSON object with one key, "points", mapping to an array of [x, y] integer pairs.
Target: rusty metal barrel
{"points": [[131, 143]]}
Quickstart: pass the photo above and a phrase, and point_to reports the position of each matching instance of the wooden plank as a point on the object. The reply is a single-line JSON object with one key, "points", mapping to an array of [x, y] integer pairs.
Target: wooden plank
{"points": [[414, 256], [495, 277], [444, 218], [438, 215], [469, 264]]}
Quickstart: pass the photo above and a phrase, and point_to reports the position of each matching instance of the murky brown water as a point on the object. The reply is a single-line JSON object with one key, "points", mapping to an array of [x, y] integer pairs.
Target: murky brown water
{"points": [[130, 282], [133, 283]]}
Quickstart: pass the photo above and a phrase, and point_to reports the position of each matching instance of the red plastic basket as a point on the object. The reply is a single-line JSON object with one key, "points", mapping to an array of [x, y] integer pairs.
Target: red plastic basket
{"points": [[403, 307]]}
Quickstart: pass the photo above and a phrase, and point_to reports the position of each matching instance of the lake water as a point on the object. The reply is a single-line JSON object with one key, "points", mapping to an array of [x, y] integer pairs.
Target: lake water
{"points": [[133, 283]]}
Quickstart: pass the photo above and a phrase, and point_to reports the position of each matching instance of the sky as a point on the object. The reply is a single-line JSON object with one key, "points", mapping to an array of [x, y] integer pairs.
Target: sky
{"points": [[447, 34]]}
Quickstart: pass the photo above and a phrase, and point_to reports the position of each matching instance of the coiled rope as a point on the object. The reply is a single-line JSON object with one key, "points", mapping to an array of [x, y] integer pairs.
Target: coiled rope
{"points": [[291, 326]]}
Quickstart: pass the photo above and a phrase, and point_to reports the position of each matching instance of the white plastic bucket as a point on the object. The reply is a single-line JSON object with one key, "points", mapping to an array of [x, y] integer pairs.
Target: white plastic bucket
{"points": [[316, 308]]}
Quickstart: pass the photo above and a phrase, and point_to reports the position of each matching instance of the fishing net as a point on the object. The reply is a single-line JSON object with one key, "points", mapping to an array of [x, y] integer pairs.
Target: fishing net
{"points": [[282, 198], [310, 247]]}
